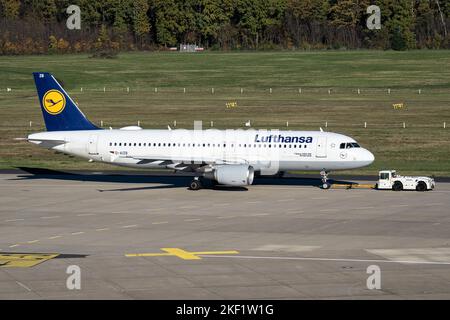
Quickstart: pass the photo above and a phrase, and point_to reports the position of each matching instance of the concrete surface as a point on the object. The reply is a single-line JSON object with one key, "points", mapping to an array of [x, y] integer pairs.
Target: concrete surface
{"points": [[294, 241]]}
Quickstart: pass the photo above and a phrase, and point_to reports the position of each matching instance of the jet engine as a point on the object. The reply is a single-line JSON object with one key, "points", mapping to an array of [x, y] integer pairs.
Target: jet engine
{"points": [[232, 175]]}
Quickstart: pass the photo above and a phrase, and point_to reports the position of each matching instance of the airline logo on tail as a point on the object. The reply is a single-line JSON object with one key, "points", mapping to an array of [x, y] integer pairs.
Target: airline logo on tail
{"points": [[54, 102]]}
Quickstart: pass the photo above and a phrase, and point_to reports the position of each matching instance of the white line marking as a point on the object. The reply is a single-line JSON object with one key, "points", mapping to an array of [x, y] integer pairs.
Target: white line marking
{"points": [[14, 245], [102, 229], [329, 259], [50, 217], [130, 226], [162, 222], [33, 241], [188, 220], [23, 286], [54, 237], [400, 205], [14, 220], [221, 204], [226, 217], [329, 210], [77, 233], [188, 207], [253, 202], [258, 214], [85, 214]]}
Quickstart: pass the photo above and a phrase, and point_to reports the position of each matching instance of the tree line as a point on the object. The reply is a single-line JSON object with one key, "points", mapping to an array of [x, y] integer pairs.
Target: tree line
{"points": [[39, 26]]}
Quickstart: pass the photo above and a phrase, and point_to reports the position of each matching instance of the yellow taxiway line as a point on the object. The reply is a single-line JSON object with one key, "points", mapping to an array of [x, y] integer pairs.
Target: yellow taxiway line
{"points": [[180, 253]]}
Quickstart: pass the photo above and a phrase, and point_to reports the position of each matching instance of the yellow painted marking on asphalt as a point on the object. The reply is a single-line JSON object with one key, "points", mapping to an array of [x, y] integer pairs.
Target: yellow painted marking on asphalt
{"points": [[161, 222], [14, 245], [24, 260], [180, 253], [33, 241], [54, 237], [189, 220]]}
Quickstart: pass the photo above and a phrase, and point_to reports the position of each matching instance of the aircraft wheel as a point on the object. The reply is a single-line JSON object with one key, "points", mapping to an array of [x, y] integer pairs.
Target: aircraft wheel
{"points": [[195, 185], [326, 186]]}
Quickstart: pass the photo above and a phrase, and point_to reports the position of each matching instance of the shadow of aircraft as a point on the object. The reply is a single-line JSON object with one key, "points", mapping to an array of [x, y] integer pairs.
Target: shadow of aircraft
{"points": [[162, 179]]}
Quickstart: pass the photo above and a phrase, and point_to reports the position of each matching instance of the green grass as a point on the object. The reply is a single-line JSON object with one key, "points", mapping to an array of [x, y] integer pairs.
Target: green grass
{"points": [[423, 147]]}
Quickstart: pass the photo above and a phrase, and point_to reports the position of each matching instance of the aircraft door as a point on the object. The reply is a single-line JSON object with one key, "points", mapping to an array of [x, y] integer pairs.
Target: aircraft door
{"points": [[321, 147], [93, 144]]}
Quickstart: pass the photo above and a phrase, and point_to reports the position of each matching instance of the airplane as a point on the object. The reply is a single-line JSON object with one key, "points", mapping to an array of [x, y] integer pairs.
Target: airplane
{"points": [[228, 157]]}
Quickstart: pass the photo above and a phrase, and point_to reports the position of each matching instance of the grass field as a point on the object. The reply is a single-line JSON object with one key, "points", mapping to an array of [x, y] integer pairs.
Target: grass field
{"points": [[422, 147]]}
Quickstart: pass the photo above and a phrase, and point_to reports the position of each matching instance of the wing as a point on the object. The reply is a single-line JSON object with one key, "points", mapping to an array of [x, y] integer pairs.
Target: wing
{"points": [[184, 163]]}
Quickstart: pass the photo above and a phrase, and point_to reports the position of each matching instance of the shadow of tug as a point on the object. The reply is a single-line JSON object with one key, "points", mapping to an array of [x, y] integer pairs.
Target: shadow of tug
{"points": [[162, 179]]}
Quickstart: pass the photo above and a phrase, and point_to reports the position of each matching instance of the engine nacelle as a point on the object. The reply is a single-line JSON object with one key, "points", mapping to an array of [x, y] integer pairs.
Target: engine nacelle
{"points": [[232, 175]]}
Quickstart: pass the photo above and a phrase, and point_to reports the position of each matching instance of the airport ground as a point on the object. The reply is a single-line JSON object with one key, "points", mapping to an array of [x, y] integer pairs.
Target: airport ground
{"points": [[145, 236]]}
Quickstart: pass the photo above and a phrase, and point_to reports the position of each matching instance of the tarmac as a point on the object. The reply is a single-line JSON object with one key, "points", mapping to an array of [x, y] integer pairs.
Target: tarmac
{"points": [[146, 236]]}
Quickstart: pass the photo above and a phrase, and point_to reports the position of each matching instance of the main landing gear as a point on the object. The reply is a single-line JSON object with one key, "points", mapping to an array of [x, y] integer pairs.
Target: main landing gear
{"points": [[195, 184], [325, 185]]}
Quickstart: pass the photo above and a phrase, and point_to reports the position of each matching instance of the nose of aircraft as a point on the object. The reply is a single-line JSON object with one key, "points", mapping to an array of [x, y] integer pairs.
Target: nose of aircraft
{"points": [[367, 156]]}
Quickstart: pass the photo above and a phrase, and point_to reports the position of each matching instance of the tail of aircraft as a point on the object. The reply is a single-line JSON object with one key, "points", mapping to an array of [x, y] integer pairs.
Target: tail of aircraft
{"points": [[59, 111]]}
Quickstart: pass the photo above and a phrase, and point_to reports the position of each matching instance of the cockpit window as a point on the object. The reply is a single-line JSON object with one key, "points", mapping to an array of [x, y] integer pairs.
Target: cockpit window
{"points": [[349, 145]]}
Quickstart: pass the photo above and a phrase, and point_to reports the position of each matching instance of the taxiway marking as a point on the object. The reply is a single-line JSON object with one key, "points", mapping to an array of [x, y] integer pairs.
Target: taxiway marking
{"points": [[180, 253], [330, 259]]}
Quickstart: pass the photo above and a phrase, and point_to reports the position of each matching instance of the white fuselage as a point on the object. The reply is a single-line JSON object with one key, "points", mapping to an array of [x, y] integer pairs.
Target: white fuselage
{"points": [[268, 151]]}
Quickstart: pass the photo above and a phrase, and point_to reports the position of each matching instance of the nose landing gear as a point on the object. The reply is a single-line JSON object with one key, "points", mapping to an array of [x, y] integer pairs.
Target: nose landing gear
{"points": [[325, 185]]}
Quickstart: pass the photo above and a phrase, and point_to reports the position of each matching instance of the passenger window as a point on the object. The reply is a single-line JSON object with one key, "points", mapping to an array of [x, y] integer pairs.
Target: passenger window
{"points": [[342, 146]]}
